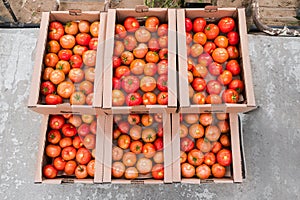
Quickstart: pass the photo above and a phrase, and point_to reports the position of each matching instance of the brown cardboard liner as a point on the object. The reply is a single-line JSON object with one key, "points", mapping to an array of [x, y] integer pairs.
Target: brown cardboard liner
{"points": [[212, 15], [163, 14], [34, 96], [233, 175], [107, 177], [98, 158]]}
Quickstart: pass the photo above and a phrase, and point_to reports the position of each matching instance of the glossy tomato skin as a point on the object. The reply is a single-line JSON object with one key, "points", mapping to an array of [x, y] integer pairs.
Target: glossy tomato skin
{"points": [[162, 83], [230, 96], [83, 156], [226, 24], [187, 170], [130, 42], [133, 119], [149, 98], [116, 83], [162, 30], [56, 30], [122, 71], [69, 130], [162, 98], [213, 99], [51, 59], [233, 38], [199, 24], [237, 85], [152, 23], [76, 61], [224, 157], [213, 87], [118, 98], [203, 171], [47, 87], [120, 31], [211, 31], [188, 25], [131, 24], [199, 84], [233, 52], [218, 170], [49, 171], [158, 171], [159, 144], [136, 147], [195, 157], [56, 122], [116, 61], [234, 67], [83, 39], [186, 144], [225, 78], [65, 54], [53, 136], [130, 84], [133, 99], [59, 163]]}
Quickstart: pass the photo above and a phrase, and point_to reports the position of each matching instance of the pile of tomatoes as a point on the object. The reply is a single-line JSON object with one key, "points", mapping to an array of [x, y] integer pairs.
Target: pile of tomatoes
{"points": [[213, 61], [69, 62], [138, 146], [205, 145], [140, 63], [70, 146]]}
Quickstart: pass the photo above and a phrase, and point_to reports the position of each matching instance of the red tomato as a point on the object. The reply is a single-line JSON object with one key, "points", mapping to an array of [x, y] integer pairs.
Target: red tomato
{"points": [[118, 48], [199, 84], [203, 171], [65, 142], [137, 66], [226, 24], [147, 120], [77, 142], [188, 25], [189, 38], [183, 157], [225, 78], [83, 39], [133, 99], [187, 170], [212, 133], [122, 71], [47, 87], [116, 61], [53, 150], [209, 158], [215, 69], [56, 122], [224, 140], [153, 44], [68, 153], [83, 156], [158, 171], [152, 24], [70, 167], [186, 144], [211, 31], [233, 38], [198, 98], [65, 89], [91, 168], [56, 30], [53, 136], [195, 157], [163, 41], [206, 119], [118, 169], [163, 53], [209, 47], [47, 72], [203, 145], [140, 51], [123, 127], [205, 59], [148, 135], [162, 83], [116, 83], [49, 171], [86, 87], [234, 67], [213, 99], [213, 87], [217, 146], [162, 30], [89, 141], [118, 98], [160, 130], [237, 85], [224, 157], [124, 141], [200, 38], [200, 71], [130, 84], [76, 75], [220, 55], [221, 41], [81, 171], [71, 28], [59, 163], [53, 46], [196, 50], [148, 150], [159, 144], [147, 84], [162, 98], [152, 57], [79, 50], [120, 31], [230, 96], [94, 28], [65, 54], [64, 66], [199, 24], [131, 24], [196, 131], [83, 129], [162, 67], [69, 130], [89, 58], [233, 52]]}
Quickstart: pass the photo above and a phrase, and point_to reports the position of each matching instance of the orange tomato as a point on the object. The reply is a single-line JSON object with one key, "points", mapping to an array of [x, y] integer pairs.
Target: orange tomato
{"points": [[53, 46], [220, 55], [84, 26], [64, 66], [67, 41], [71, 28], [47, 72], [65, 89], [147, 84], [57, 76], [94, 28], [200, 38], [211, 31], [152, 57], [221, 41], [147, 120], [50, 59]]}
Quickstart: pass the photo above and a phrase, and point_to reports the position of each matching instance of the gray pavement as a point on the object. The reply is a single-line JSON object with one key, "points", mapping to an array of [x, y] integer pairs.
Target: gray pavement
{"points": [[271, 133]]}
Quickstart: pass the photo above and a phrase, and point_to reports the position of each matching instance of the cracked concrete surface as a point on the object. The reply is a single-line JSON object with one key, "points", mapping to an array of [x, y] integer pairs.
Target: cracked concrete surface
{"points": [[271, 133]]}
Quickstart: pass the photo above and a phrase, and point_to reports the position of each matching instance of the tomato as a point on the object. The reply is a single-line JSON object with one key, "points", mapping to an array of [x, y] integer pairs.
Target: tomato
{"points": [[149, 98], [215, 69], [50, 59], [183, 131], [65, 54], [68, 153], [152, 24], [199, 24], [148, 150], [212, 133], [117, 153], [79, 50], [200, 71], [75, 120], [233, 38], [47, 72], [83, 129], [205, 59], [56, 30], [211, 31], [118, 98], [70, 167], [144, 165], [221, 41], [83, 39], [129, 159], [133, 99], [160, 130], [120, 31], [122, 71], [162, 98], [83, 156], [188, 25], [89, 58], [237, 85], [133, 119], [148, 135], [186, 144], [142, 35], [225, 141], [163, 41], [94, 28], [65, 142], [191, 92], [226, 24], [93, 127], [191, 118], [53, 99], [53, 136], [222, 116], [220, 55], [233, 52], [137, 66], [218, 170], [189, 38], [64, 66], [195, 157], [147, 84], [69, 130], [159, 144], [67, 41], [116, 83], [213, 87], [53, 46], [158, 171], [59, 163], [57, 76], [162, 67], [162, 30], [213, 99], [131, 173], [200, 38], [118, 48], [135, 132], [77, 142], [49, 171], [209, 47], [77, 98], [206, 119], [140, 51], [216, 147], [76, 75], [65, 89], [162, 83], [225, 78], [196, 50], [203, 171], [86, 87], [136, 147], [56, 121], [116, 61], [91, 168], [234, 67], [131, 24], [190, 77], [209, 158], [76, 61], [71, 28], [158, 117], [163, 53], [147, 120], [199, 84], [124, 141], [230, 96], [53, 150], [183, 157], [203, 145], [224, 157], [81, 171], [196, 131], [123, 127], [47, 87], [153, 44], [130, 42], [87, 118], [223, 126], [158, 157], [187, 170], [152, 57]]}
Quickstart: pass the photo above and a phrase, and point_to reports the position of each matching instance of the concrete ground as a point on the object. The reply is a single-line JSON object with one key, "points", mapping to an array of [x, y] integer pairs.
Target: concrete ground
{"points": [[271, 133]]}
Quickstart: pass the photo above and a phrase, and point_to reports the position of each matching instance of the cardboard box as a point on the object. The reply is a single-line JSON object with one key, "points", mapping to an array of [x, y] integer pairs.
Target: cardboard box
{"points": [[36, 102], [235, 173], [43, 159], [117, 16], [142, 179], [212, 15]]}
